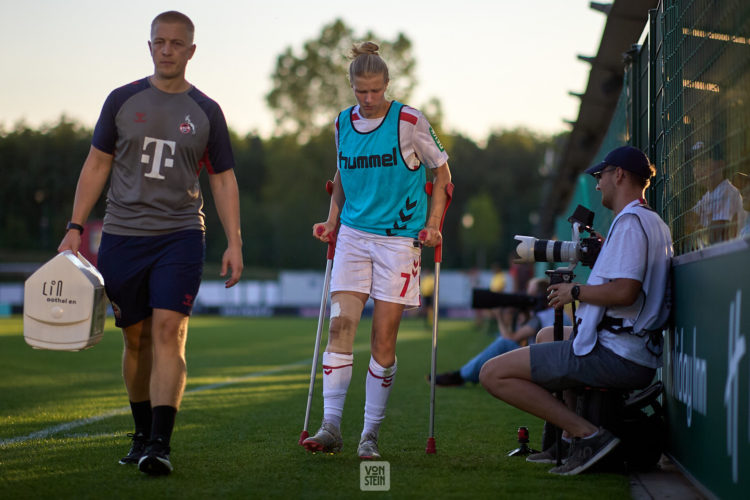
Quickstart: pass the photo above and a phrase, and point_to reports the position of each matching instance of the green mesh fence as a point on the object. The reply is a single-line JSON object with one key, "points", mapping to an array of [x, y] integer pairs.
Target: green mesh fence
{"points": [[706, 119], [686, 103]]}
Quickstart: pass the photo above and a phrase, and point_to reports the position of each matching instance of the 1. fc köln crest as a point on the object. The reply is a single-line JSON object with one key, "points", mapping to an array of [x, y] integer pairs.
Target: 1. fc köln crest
{"points": [[187, 127]]}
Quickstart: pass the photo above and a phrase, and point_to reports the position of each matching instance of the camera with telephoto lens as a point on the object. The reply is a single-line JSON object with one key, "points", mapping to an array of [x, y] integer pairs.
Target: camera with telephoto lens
{"points": [[583, 250]]}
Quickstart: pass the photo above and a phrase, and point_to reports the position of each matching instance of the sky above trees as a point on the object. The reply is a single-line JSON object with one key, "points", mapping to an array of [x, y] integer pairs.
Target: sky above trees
{"points": [[492, 64]]}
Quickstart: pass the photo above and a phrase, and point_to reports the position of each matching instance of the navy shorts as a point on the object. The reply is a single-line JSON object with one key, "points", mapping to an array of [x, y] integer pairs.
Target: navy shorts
{"points": [[142, 273], [555, 367]]}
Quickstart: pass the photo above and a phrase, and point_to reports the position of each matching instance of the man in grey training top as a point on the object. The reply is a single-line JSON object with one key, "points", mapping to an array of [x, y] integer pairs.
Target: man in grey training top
{"points": [[153, 138]]}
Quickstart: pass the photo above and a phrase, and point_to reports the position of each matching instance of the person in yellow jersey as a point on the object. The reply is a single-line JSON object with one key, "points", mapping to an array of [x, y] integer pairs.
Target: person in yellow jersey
{"points": [[427, 292]]}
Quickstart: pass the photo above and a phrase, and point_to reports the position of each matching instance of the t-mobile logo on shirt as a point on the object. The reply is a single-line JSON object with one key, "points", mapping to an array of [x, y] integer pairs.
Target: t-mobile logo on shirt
{"points": [[158, 152]]}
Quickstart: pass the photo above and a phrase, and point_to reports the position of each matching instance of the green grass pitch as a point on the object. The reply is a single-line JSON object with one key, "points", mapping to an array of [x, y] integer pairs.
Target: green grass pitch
{"points": [[64, 416]]}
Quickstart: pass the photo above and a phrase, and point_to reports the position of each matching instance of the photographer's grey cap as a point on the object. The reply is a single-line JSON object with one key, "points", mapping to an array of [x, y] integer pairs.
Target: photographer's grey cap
{"points": [[627, 158]]}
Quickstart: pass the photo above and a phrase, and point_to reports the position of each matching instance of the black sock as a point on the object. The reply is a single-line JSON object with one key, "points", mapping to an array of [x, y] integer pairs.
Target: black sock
{"points": [[163, 423], [141, 411]]}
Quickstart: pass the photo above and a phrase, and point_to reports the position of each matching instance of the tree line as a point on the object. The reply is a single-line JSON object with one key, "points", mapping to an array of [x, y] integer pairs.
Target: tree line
{"points": [[281, 193]]}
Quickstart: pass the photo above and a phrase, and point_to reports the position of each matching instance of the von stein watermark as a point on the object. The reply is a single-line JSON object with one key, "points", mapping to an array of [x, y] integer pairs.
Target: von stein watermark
{"points": [[374, 476]]}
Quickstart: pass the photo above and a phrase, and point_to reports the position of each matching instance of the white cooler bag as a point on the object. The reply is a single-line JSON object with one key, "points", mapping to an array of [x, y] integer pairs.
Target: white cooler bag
{"points": [[64, 305]]}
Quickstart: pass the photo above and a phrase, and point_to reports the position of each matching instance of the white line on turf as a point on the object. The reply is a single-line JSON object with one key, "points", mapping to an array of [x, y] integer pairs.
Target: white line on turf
{"points": [[49, 431], [63, 427]]}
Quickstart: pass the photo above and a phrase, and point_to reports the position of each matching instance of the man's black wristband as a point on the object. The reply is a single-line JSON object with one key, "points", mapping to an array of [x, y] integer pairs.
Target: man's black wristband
{"points": [[575, 291], [73, 225]]}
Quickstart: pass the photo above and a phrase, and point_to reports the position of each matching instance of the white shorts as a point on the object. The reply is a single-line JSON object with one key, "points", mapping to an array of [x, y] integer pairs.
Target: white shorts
{"points": [[385, 267]]}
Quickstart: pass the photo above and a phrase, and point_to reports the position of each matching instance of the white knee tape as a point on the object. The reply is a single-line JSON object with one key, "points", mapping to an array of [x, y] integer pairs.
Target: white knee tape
{"points": [[347, 307], [345, 313], [335, 310]]}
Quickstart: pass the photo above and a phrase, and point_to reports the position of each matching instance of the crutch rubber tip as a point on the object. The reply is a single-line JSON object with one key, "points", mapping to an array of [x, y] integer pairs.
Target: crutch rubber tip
{"points": [[304, 435], [430, 450]]}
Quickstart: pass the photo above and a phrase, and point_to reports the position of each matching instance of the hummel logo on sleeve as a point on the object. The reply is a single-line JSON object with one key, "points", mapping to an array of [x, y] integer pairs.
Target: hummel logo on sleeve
{"points": [[437, 141]]}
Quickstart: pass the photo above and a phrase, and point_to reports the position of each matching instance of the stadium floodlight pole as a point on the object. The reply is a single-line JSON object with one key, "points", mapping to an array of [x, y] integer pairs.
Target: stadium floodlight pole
{"points": [[323, 302], [436, 295]]}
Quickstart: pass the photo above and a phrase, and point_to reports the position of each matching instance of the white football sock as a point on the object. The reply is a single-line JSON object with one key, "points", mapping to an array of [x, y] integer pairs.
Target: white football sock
{"points": [[337, 373], [377, 389]]}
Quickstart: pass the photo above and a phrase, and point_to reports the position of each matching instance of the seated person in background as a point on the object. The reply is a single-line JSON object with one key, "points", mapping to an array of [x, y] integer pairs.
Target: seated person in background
{"points": [[719, 212], [742, 181], [507, 340], [623, 308]]}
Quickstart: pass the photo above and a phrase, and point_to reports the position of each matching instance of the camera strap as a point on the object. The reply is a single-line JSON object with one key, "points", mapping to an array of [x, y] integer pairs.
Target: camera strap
{"points": [[614, 325]]}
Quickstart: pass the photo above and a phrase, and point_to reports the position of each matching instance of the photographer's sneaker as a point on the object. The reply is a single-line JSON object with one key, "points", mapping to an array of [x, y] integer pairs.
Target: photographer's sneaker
{"points": [[155, 461], [549, 456], [368, 447], [136, 449], [328, 439], [585, 452]]}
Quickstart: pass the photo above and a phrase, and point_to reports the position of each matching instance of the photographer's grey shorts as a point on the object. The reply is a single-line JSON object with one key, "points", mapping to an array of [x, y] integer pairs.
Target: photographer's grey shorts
{"points": [[555, 367]]}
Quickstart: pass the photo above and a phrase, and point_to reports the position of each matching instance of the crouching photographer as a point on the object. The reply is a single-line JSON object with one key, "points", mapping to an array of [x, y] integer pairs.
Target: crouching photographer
{"points": [[623, 307]]}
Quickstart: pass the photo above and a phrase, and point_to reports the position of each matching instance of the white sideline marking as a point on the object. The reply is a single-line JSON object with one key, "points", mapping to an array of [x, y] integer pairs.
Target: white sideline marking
{"points": [[49, 431], [62, 427], [84, 435]]}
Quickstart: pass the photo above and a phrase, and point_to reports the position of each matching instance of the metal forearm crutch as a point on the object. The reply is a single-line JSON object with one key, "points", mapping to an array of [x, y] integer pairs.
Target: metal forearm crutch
{"points": [[323, 302], [436, 295]]}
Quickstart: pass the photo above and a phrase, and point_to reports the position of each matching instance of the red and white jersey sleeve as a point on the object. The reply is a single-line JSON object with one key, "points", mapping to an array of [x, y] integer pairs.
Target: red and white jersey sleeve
{"points": [[418, 142]]}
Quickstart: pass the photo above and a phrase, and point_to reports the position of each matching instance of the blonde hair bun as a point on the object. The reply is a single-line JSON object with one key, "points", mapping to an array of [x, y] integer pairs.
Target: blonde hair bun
{"points": [[364, 48]]}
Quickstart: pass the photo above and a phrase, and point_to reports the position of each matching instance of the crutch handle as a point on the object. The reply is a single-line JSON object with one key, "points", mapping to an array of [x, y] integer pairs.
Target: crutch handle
{"points": [[320, 229], [331, 246], [449, 196]]}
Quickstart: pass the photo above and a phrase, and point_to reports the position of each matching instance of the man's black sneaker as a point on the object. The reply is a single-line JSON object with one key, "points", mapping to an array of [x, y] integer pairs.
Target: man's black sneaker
{"points": [[136, 449], [585, 452], [155, 461], [449, 379]]}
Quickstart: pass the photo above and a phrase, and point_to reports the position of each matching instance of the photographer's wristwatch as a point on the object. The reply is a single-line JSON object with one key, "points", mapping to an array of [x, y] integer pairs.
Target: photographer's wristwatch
{"points": [[575, 291], [73, 225]]}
